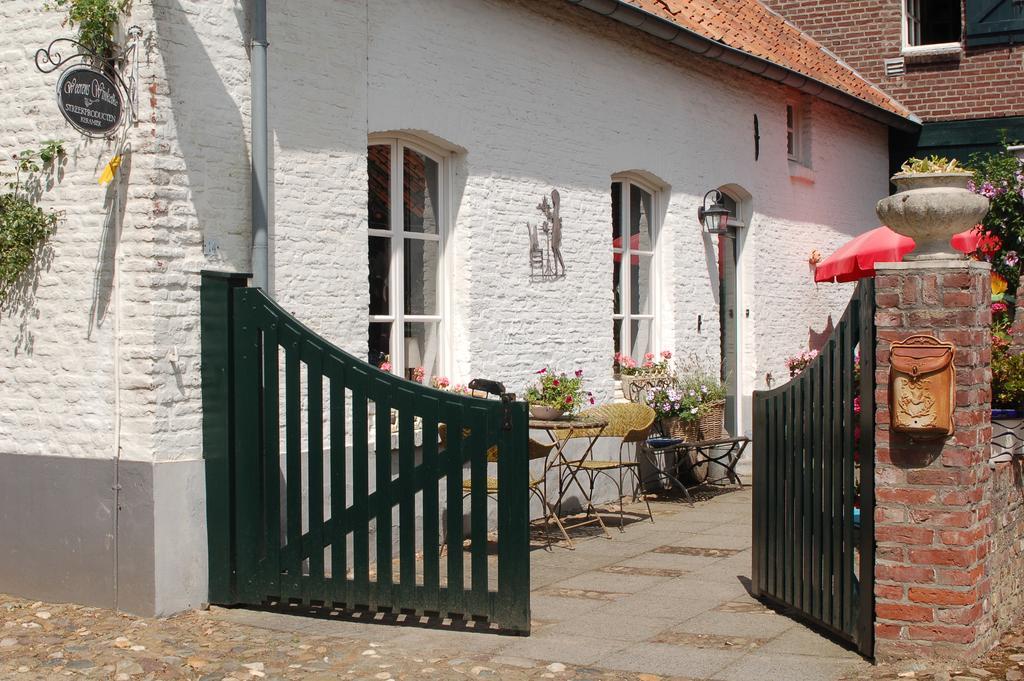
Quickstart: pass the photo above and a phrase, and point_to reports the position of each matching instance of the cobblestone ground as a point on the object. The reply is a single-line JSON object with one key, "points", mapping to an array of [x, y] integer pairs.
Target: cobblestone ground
{"points": [[1004, 662], [49, 641]]}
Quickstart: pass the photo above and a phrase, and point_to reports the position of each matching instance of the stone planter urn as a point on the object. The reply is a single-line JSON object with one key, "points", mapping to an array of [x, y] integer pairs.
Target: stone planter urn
{"points": [[930, 208]]}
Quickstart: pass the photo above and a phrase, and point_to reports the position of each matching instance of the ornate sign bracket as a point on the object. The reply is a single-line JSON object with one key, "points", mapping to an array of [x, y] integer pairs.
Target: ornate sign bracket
{"points": [[96, 110]]}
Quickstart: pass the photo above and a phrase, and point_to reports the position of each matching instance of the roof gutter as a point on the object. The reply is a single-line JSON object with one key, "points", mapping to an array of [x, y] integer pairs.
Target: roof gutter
{"points": [[626, 13]]}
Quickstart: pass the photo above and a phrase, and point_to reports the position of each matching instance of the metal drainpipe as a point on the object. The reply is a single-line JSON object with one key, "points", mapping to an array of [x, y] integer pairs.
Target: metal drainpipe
{"points": [[260, 134]]}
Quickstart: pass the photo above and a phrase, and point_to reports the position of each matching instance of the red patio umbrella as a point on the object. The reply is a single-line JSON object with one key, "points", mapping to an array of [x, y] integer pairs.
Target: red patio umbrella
{"points": [[856, 259]]}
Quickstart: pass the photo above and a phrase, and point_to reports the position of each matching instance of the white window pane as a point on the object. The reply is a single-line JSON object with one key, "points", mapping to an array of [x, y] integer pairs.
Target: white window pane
{"points": [[640, 332], [641, 221], [421, 193], [422, 348], [379, 342], [422, 259], [378, 165], [617, 215], [617, 283], [641, 284], [379, 254]]}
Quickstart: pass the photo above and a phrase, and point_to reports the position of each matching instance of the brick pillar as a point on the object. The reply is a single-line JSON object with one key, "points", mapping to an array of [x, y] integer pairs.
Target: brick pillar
{"points": [[932, 515]]}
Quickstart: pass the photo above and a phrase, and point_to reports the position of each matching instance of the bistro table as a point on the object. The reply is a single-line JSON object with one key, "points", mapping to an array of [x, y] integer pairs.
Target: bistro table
{"points": [[561, 431], [689, 456]]}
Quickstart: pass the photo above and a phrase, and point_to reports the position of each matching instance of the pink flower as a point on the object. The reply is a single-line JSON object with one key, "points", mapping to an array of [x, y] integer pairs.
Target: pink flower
{"points": [[542, 371], [579, 373], [649, 356], [385, 366], [666, 354], [999, 308]]}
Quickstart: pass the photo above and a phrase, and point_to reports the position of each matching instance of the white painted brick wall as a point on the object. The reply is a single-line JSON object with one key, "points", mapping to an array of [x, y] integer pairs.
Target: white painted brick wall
{"points": [[539, 95]]}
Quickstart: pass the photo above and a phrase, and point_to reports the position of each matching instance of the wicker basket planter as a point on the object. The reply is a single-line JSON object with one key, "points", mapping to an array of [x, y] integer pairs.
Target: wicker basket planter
{"points": [[688, 431], [712, 422]]}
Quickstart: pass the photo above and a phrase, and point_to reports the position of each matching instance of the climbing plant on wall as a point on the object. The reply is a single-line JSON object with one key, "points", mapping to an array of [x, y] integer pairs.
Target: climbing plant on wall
{"points": [[96, 21], [24, 226]]}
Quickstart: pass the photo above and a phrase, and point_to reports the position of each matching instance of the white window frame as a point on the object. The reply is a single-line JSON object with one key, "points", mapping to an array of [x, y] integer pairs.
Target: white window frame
{"points": [[911, 13], [398, 236], [625, 315]]}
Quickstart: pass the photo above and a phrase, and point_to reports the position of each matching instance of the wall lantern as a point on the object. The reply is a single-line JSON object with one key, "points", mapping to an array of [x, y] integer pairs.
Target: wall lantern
{"points": [[714, 218]]}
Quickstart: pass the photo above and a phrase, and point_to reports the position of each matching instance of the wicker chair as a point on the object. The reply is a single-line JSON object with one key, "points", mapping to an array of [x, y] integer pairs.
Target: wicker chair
{"points": [[630, 421]]}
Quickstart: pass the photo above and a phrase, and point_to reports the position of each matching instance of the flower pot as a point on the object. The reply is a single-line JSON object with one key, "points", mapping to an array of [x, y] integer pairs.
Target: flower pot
{"points": [[634, 385], [712, 422], [688, 431], [546, 413], [930, 208]]}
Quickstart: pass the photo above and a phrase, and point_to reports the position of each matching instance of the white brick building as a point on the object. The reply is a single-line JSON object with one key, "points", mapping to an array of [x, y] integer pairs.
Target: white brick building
{"points": [[499, 102]]}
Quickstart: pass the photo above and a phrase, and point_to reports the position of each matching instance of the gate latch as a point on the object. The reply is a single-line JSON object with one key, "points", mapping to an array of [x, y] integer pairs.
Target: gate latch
{"points": [[497, 388]]}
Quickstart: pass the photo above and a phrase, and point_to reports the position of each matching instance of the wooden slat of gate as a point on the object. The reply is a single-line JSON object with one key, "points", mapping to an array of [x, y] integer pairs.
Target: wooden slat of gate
{"points": [[797, 492], [513, 597], [849, 568], [291, 585], [866, 336], [246, 392], [271, 462], [453, 600], [314, 584], [407, 593], [821, 396], [431, 510], [478, 444], [339, 536], [360, 490], [836, 401], [828, 455], [380, 591], [807, 497]]}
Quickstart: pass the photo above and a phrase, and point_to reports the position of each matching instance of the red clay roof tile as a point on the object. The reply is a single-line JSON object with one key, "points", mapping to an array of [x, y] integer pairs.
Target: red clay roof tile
{"points": [[750, 27]]}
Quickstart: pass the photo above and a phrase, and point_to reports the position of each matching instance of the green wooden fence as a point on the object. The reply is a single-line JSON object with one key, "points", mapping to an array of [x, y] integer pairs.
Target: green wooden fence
{"points": [[814, 548], [308, 495]]}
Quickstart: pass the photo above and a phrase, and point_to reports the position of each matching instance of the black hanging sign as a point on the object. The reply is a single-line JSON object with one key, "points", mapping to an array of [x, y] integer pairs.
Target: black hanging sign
{"points": [[89, 100]]}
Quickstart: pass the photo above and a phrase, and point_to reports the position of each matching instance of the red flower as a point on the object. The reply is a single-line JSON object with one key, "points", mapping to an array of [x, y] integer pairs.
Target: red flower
{"points": [[990, 243], [542, 371], [555, 382], [568, 399]]}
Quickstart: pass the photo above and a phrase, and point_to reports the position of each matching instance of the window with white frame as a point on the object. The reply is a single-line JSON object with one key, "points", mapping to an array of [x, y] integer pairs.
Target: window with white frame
{"points": [[794, 134], [634, 239], [931, 23], [406, 251]]}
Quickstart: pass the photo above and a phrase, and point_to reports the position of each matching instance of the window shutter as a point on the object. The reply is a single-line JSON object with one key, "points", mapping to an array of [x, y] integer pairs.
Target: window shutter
{"points": [[995, 22]]}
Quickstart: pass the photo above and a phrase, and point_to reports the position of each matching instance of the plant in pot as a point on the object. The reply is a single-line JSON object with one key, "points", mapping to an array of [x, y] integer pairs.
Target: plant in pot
{"points": [[678, 410], [933, 203], [556, 396], [709, 391], [1007, 398]]}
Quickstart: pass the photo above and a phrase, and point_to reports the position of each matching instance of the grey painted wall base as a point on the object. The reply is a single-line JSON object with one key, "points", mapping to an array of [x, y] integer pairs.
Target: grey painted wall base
{"points": [[68, 534]]}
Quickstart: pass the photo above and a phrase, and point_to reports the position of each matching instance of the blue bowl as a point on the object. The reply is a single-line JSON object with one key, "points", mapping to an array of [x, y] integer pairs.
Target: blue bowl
{"points": [[661, 442]]}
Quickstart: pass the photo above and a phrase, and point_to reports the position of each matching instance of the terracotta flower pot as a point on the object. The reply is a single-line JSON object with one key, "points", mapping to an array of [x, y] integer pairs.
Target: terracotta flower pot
{"points": [[930, 208]]}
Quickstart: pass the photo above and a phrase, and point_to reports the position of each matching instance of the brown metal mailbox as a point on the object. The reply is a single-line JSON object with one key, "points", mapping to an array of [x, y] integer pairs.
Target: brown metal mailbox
{"points": [[922, 387]]}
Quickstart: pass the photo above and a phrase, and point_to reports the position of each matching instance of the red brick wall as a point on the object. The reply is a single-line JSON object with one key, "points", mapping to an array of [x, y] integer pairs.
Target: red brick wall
{"points": [[985, 83], [933, 511]]}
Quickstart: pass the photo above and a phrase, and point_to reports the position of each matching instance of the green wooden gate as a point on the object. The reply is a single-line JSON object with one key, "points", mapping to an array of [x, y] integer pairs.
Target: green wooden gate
{"points": [[814, 548], [304, 473]]}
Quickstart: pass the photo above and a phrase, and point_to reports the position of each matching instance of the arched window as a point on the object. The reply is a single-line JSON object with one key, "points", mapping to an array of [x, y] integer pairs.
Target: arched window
{"points": [[635, 224], [407, 219]]}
